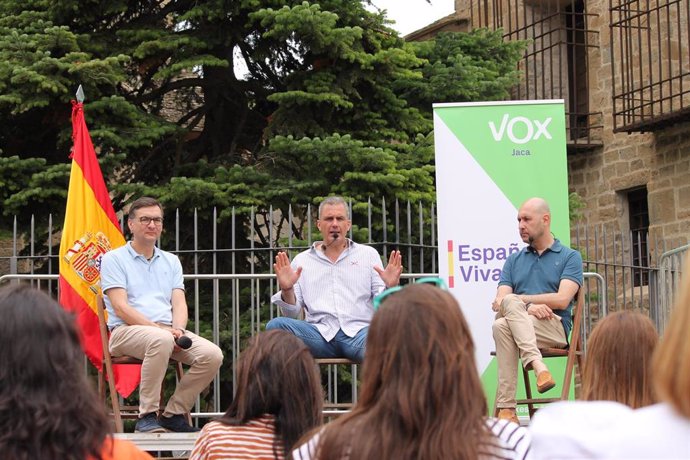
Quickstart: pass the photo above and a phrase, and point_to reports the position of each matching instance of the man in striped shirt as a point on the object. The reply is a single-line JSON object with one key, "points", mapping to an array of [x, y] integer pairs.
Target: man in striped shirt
{"points": [[334, 282]]}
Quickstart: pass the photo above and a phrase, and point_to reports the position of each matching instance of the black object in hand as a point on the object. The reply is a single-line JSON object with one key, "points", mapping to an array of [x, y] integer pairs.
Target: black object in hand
{"points": [[183, 342]]}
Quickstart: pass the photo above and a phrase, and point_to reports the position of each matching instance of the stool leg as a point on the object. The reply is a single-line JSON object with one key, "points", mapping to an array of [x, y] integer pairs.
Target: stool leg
{"points": [[528, 391]]}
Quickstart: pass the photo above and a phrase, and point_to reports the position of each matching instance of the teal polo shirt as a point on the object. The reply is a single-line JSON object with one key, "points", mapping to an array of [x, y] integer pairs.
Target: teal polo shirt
{"points": [[149, 284], [529, 273]]}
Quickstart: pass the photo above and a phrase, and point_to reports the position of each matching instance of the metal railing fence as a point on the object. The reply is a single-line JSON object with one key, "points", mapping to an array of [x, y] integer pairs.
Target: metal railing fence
{"points": [[231, 241], [670, 270], [641, 271], [239, 240], [224, 319]]}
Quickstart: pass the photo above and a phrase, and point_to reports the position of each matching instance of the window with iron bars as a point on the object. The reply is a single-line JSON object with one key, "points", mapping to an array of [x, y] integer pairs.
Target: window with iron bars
{"points": [[555, 65], [638, 216], [650, 63]]}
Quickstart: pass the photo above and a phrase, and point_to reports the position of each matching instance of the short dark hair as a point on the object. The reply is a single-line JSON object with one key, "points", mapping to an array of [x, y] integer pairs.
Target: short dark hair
{"points": [[277, 375], [143, 202], [54, 410]]}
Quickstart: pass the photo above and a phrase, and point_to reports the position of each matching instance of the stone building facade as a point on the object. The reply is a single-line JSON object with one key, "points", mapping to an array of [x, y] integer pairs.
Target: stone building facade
{"points": [[630, 162], [623, 70], [614, 163]]}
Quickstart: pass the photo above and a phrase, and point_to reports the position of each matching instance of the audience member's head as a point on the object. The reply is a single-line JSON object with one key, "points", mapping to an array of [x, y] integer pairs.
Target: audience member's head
{"points": [[619, 360], [48, 409], [672, 360], [277, 375], [421, 396]]}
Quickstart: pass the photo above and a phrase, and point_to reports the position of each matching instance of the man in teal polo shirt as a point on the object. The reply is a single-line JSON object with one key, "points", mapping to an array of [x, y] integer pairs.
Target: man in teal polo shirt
{"points": [[534, 303]]}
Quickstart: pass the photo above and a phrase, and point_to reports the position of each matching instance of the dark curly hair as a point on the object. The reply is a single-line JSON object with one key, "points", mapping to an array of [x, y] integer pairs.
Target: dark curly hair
{"points": [[48, 409]]}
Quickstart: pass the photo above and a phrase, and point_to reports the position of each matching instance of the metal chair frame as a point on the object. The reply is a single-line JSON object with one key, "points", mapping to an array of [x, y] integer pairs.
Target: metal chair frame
{"points": [[332, 364]]}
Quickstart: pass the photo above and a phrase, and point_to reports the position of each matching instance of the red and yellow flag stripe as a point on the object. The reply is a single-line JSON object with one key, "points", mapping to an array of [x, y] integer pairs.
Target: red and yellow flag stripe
{"points": [[91, 229]]}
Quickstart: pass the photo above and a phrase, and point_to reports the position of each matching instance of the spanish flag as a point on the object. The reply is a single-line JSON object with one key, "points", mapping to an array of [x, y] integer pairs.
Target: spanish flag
{"points": [[91, 229]]}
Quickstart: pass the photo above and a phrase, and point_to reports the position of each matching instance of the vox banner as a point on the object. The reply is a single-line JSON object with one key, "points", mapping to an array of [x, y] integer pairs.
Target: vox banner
{"points": [[490, 158]]}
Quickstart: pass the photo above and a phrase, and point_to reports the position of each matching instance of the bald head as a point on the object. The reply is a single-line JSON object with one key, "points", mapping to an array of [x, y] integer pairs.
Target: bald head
{"points": [[534, 223], [537, 205]]}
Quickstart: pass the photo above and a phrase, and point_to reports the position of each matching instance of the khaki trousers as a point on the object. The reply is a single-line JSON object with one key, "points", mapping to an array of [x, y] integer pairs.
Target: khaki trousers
{"points": [[520, 335], [155, 346]]}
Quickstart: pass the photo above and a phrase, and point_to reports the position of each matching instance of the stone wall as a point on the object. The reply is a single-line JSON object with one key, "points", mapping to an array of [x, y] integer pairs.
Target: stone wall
{"points": [[660, 160], [6, 250]]}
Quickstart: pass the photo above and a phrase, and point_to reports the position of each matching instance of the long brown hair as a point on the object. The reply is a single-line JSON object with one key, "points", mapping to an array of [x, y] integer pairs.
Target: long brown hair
{"points": [[277, 375], [421, 396], [672, 360], [48, 409], [619, 359]]}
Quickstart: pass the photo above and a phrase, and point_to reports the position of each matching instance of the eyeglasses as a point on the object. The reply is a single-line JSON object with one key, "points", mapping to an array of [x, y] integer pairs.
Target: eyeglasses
{"points": [[438, 282], [145, 220]]}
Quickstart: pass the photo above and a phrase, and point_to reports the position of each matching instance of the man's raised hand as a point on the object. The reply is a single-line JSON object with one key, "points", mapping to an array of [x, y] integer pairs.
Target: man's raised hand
{"points": [[287, 277], [391, 275]]}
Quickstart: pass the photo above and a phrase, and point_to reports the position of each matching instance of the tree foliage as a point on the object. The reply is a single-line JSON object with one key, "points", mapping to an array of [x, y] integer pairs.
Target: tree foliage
{"points": [[331, 99]]}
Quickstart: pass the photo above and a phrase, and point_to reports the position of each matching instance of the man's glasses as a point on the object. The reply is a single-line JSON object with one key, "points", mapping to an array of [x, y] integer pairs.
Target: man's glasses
{"points": [[438, 282], [145, 220]]}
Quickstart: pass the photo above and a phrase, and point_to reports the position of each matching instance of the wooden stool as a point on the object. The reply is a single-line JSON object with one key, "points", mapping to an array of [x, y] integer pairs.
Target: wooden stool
{"points": [[332, 364], [106, 374], [573, 353]]}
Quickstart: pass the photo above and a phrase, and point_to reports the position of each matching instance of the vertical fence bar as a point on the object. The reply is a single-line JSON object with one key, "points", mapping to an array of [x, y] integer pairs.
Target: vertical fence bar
{"points": [[13, 259], [50, 250], [352, 217], [616, 254], [596, 254], [397, 224], [409, 236], [196, 271], [271, 254], [310, 219], [369, 219], [196, 283], [385, 228], [433, 238], [234, 300], [421, 239], [289, 224], [626, 247], [273, 246], [587, 247], [639, 271], [215, 303], [31, 243], [252, 263]]}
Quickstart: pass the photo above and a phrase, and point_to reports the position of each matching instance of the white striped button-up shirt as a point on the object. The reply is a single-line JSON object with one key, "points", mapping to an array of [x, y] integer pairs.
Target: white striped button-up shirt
{"points": [[335, 295]]}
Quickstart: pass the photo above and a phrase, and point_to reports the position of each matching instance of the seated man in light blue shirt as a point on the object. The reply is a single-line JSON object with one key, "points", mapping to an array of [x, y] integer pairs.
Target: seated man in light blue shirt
{"points": [[147, 314], [335, 282]]}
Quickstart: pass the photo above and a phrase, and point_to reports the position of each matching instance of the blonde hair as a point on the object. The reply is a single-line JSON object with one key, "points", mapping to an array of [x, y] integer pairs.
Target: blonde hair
{"points": [[672, 360], [619, 359]]}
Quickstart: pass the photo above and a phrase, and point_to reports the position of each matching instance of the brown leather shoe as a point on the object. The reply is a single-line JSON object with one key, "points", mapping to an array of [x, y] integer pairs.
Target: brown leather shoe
{"points": [[508, 414], [545, 382]]}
